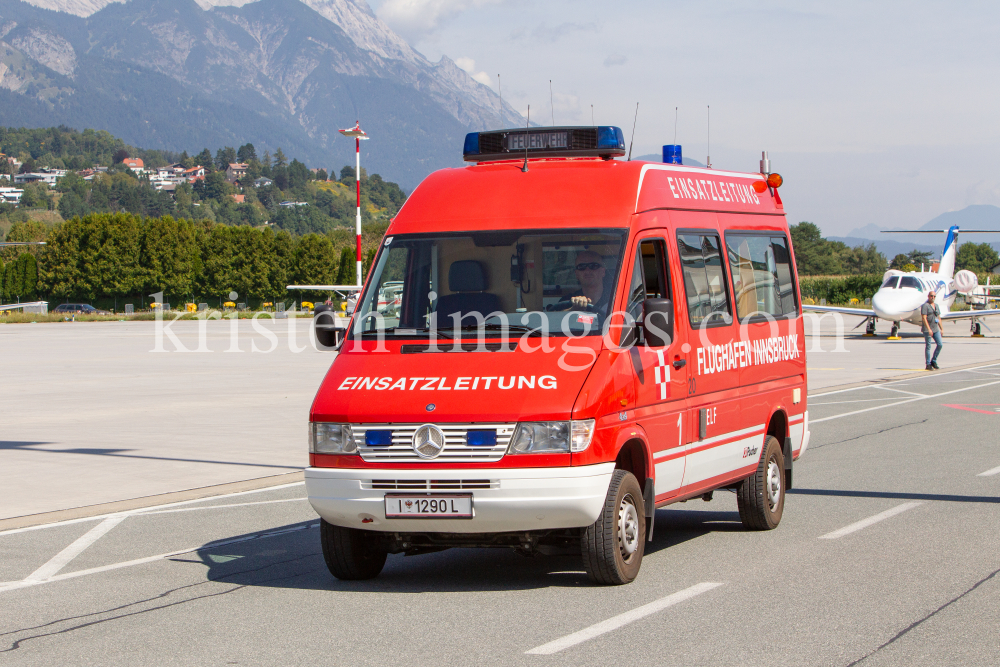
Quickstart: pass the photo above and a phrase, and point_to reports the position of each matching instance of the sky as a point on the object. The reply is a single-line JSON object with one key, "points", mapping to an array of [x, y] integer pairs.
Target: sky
{"points": [[874, 113]]}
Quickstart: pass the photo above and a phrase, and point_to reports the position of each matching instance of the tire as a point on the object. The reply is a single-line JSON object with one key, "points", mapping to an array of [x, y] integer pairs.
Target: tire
{"points": [[351, 554], [761, 496], [613, 546]]}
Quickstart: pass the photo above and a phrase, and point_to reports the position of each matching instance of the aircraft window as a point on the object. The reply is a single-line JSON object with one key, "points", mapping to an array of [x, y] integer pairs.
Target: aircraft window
{"points": [[910, 281], [761, 270], [890, 282], [704, 280]]}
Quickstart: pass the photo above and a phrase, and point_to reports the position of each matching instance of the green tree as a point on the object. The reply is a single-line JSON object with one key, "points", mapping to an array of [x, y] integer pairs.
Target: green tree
{"points": [[224, 157], [976, 257], [899, 261], [246, 153], [204, 159], [918, 257], [314, 261], [863, 260], [347, 267], [814, 255]]}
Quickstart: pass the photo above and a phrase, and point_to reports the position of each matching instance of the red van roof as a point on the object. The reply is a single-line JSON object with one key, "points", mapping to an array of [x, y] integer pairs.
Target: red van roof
{"points": [[572, 193]]}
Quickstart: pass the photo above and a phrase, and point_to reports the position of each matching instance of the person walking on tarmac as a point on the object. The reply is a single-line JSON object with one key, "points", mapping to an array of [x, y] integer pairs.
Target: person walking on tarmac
{"points": [[930, 315]]}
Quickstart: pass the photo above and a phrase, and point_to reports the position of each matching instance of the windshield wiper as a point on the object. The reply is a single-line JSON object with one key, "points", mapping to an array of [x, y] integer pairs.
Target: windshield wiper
{"points": [[494, 326], [406, 331]]}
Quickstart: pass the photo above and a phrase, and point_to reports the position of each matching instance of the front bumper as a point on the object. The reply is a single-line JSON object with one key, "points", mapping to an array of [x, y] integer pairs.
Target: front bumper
{"points": [[518, 498]]}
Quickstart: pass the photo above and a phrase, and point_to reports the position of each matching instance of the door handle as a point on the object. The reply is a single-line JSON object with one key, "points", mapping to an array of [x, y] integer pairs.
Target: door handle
{"points": [[679, 363]]}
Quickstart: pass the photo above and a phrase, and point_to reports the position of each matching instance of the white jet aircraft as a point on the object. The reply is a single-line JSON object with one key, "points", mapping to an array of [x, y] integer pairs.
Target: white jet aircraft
{"points": [[903, 293]]}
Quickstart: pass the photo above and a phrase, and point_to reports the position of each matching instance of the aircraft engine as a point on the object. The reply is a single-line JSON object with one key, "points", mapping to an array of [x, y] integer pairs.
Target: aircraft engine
{"points": [[966, 281]]}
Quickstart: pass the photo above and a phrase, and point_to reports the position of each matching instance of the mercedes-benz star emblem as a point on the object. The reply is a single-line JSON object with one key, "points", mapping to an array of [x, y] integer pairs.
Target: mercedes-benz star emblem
{"points": [[428, 441], [430, 407]]}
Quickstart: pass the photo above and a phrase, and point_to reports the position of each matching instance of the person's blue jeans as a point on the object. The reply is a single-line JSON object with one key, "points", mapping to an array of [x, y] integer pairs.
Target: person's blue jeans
{"points": [[932, 338]]}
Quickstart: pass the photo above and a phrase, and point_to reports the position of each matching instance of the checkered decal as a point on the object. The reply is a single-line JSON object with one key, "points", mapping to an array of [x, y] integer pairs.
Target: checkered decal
{"points": [[661, 374]]}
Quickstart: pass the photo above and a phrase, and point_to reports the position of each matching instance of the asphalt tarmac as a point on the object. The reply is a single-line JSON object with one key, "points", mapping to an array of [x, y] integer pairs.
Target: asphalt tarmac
{"points": [[888, 553]]}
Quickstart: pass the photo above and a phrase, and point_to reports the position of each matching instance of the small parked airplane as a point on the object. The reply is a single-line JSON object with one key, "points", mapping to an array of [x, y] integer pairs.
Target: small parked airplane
{"points": [[903, 292]]}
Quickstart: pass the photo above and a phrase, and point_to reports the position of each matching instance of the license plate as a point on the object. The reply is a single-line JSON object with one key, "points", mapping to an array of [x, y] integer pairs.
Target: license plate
{"points": [[428, 507]]}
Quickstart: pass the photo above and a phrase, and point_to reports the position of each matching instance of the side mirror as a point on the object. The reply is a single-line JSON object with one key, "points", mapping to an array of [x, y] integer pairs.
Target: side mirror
{"points": [[328, 335], [658, 322]]}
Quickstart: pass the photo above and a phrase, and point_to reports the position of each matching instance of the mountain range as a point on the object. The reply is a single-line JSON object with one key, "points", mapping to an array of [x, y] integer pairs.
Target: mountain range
{"points": [[979, 216], [187, 74]]}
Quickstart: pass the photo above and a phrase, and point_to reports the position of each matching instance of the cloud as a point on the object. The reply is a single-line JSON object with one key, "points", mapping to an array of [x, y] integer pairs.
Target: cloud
{"points": [[469, 65], [416, 19], [615, 60], [551, 34]]}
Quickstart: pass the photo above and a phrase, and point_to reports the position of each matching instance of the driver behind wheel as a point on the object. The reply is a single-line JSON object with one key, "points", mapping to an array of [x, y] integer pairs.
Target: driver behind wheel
{"points": [[592, 295]]}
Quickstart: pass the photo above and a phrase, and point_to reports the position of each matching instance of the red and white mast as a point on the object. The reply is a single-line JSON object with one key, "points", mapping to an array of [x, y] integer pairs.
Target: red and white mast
{"points": [[358, 135]]}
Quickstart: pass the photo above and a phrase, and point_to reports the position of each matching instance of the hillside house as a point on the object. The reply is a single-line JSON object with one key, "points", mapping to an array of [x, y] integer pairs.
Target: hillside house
{"points": [[236, 171], [11, 195], [135, 164], [262, 182]]}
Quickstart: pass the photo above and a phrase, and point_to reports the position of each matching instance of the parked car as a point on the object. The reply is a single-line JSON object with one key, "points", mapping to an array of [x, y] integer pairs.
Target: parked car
{"points": [[81, 308]]}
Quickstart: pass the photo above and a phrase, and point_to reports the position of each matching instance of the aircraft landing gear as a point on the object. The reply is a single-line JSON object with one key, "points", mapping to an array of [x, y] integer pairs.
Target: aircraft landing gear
{"points": [[870, 330], [894, 333], [977, 331]]}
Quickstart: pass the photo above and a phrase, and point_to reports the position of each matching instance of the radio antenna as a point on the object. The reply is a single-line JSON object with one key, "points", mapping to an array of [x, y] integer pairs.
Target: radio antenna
{"points": [[527, 122], [708, 144], [675, 125], [592, 115], [633, 132], [500, 92], [552, 104]]}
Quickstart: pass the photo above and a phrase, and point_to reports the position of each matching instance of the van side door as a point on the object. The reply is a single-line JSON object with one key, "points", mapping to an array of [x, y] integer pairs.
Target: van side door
{"points": [[716, 437], [661, 374]]}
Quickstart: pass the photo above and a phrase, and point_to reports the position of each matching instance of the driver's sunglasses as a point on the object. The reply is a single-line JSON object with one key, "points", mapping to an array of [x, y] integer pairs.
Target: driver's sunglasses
{"points": [[593, 266]]}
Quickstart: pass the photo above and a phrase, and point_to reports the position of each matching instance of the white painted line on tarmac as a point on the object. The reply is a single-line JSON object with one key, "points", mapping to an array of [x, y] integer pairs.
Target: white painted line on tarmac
{"points": [[937, 374], [901, 391], [62, 559], [864, 523], [14, 531], [14, 585], [904, 402], [620, 620], [214, 507], [990, 472]]}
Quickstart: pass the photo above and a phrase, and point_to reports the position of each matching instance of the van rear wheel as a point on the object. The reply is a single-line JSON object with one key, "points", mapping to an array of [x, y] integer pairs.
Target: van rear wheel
{"points": [[761, 496], [351, 554], [613, 545]]}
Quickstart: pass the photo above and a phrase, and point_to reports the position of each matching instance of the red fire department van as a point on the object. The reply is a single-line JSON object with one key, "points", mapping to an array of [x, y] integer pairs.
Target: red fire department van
{"points": [[551, 344]]}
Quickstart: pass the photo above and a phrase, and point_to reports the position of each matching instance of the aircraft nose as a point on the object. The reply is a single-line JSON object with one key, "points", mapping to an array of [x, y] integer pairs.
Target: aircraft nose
{"points": [[881, 304]]}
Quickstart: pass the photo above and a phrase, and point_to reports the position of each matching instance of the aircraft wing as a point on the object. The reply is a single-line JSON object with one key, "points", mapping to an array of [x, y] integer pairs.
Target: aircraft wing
{"points": [[860, 312], [969, 314]]}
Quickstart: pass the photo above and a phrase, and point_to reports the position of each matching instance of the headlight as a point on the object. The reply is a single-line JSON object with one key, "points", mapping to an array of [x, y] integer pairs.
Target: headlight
{"points": [[326, 438], [549, 437]]}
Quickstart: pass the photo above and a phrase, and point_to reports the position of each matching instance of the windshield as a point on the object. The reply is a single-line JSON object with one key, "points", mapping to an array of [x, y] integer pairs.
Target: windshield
{"points": [[890, 282], [557, 282], [910, 281]]}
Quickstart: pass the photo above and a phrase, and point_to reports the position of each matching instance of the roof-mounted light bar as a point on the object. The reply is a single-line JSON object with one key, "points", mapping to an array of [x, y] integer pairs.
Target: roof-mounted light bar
{"points": [[604, 141]]}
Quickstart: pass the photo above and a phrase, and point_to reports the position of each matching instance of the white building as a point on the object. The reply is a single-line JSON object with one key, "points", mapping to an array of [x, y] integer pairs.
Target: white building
{"points": [[11, 195]]}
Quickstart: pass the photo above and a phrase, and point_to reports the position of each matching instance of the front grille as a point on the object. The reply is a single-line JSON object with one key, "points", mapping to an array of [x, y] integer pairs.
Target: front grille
{"points": [[429, 484], [455, 449]]}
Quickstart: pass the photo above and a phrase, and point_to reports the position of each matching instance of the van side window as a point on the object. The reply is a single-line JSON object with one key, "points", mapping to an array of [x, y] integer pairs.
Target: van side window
{"points": [[761, 268], [704, 280], [649, 279]]}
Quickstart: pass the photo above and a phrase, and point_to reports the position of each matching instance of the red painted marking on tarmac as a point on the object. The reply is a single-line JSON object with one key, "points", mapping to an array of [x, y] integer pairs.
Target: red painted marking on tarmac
{"points": [[975, 407]]}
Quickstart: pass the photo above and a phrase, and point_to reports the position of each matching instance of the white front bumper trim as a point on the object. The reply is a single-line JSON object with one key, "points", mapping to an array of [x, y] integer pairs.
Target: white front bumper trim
{"points": [[519, 498]]}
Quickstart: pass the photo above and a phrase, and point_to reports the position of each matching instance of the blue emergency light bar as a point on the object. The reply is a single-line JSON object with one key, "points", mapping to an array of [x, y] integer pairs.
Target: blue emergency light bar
{"points": [[605, 141]]}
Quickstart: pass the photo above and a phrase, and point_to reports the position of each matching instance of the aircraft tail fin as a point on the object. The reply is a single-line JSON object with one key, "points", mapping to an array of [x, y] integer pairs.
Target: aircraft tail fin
{"points": [[947, 268]]}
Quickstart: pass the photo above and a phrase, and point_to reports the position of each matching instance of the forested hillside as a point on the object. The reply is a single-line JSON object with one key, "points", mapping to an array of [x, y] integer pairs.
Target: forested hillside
{"points": [[330, 204]]}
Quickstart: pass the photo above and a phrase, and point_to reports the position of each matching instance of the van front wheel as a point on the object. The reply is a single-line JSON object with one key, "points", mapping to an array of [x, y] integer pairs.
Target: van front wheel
{"points": [[613, 545], [351, 554], [761, 496]]}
